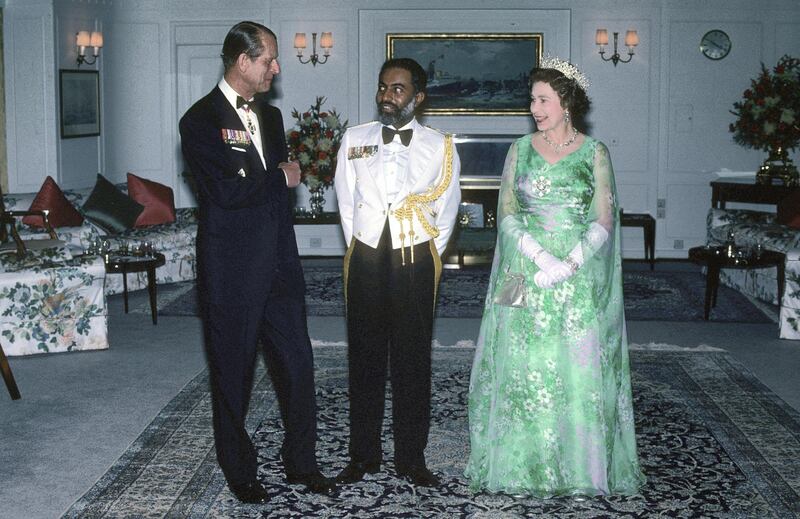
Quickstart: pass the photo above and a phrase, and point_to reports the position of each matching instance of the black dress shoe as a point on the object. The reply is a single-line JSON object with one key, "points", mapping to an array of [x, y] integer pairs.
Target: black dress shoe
{"points": [[315, 482], [251, 492], [355, 470], [419, 475]]}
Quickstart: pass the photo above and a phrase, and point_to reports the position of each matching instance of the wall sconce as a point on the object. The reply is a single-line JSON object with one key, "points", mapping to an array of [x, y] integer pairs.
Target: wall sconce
{"points": [[325, 42], [83, 39], [631, 41]]}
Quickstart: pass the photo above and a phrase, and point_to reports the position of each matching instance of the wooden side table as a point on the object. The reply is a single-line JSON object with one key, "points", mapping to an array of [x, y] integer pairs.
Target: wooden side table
{"points": [[716, 259], [730, 191], [119, 264], [648, 225]]}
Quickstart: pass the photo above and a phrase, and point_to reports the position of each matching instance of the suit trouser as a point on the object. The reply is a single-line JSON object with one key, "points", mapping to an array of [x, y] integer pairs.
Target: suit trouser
{"points": [[232, 334], [390, 320]]}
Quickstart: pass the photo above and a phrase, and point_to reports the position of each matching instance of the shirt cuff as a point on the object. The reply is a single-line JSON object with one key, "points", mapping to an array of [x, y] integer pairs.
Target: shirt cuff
{"points": [[285, 177]]}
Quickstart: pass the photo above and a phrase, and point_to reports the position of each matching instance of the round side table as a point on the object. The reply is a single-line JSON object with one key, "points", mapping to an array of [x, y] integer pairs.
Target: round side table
{"points": [[716, 259], [129, 263]]}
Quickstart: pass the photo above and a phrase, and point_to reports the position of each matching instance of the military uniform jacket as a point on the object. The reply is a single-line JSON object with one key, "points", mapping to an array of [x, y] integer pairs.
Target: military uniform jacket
{"points": [[361, 188]]}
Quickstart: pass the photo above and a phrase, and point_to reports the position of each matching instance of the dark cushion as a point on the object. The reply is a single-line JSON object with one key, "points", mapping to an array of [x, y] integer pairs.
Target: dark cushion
{"points": [[110, 208], [157, 199], [789, 210], [62, 212]]}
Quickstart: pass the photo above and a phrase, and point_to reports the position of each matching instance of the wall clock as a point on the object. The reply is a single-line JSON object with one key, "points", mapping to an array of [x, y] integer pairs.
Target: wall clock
{"points": [[715, 44]]}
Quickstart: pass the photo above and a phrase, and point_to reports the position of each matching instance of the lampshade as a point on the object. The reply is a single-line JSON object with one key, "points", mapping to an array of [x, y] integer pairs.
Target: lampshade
{"points": [[326, 42], [300, 40], [96, 39], [631, 39], [83, 39], [602, 37]]}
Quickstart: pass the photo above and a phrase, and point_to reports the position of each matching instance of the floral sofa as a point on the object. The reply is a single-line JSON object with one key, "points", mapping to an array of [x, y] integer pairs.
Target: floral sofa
{"points": [[51, 301], [175, 240], [750, 228]]}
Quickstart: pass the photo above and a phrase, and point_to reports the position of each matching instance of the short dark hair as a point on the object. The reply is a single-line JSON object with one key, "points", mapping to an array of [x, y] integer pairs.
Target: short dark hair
{"points": [[244, 37], [573, 96], [418, 76]]}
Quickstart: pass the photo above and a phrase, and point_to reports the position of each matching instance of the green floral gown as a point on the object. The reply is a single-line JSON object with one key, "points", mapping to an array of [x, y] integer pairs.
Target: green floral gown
{"points": [[550, 409]]}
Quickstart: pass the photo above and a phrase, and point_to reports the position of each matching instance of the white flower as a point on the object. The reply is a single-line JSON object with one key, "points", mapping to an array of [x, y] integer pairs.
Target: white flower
{"points": [[332, 122], [312, 182], [304, 158]]}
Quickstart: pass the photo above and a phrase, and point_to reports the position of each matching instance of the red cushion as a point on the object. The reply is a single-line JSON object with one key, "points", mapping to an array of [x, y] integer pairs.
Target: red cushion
{"points": [[62, 212], [157, 199], [789, 210]]}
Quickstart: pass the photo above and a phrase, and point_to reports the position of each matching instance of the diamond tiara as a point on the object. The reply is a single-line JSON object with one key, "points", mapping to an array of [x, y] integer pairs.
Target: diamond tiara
{"points": [[569, 70]]}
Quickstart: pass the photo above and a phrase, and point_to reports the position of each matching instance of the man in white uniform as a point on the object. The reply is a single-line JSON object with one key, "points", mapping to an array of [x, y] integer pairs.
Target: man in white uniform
{"points": [[398, 191]]}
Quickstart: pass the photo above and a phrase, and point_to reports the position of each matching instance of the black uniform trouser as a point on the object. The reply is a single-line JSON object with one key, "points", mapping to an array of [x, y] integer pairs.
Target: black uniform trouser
{"points": [[390, 321], [232, 334]]}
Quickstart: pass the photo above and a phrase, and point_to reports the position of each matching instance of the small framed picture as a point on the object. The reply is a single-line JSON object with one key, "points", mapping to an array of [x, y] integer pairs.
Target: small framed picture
{"points": [[470, 214], [80, 103]]}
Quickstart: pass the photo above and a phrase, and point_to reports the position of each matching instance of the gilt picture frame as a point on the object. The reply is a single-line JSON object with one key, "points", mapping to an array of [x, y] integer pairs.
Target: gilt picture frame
{"points": [[80, 103], [472, 74]]}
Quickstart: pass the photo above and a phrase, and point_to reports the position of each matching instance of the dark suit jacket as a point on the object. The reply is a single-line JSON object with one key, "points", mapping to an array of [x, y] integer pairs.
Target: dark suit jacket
{"points": [[245, 236]]}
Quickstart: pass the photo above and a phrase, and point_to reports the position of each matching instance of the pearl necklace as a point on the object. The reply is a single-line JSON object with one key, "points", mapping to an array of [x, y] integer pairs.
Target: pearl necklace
{"points": [[559, 147]]}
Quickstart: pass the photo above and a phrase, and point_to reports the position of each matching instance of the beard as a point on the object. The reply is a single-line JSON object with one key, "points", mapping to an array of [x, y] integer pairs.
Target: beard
{"points": [[398, 117]]}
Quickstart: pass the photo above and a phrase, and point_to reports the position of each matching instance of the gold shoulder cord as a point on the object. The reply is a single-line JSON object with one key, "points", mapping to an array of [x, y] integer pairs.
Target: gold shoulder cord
{"points": [[414, 203]]}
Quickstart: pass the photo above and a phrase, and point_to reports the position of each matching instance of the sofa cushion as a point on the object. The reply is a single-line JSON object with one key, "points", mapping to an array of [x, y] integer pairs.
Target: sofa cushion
{"points": [[157, 199], [110, 208], [62, 212], [789, 210]]}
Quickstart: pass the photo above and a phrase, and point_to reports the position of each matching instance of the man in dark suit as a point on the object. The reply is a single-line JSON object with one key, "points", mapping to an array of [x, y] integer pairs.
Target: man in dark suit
{"points": [[249, 278]]}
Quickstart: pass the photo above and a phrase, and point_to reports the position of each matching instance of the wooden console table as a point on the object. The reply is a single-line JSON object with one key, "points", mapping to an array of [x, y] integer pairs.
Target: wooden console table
{"points": [[648, 225], [749, 192]]}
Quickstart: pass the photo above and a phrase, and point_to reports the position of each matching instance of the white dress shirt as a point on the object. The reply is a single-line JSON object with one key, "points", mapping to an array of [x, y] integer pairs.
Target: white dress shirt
{"points": [[255, 136], [395, 165]]}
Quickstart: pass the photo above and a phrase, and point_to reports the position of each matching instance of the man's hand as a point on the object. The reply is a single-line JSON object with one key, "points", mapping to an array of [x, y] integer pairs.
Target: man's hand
{"points": [[292, 172]]}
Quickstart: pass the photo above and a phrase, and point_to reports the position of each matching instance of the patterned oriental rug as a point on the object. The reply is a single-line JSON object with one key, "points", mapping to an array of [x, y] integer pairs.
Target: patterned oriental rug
{"points": [[714, 442], [649, 296]]}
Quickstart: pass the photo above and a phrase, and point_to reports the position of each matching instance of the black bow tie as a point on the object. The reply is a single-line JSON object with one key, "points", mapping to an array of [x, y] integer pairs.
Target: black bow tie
{"points": [[242, 102], [389, 133]]}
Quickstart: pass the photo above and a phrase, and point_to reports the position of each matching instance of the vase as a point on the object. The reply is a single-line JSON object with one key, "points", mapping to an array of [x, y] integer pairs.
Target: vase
{"points": [[317, 201], [778, 166]]}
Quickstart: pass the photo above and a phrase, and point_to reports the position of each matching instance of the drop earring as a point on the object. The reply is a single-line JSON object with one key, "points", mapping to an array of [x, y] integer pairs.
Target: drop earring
{"points": [[566, 116]]}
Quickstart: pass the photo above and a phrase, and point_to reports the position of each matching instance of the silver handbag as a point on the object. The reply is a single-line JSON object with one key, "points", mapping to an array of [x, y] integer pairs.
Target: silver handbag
{"points": [[512, 291]]}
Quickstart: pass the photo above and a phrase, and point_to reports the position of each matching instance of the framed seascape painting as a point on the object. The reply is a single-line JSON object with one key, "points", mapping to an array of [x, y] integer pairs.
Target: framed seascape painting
{"points": [[472, 74], [80, 103]]}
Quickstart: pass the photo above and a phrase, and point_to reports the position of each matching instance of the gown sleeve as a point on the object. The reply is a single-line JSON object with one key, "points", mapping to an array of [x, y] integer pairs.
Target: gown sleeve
{"points": [[603, 210], [511, 220]]}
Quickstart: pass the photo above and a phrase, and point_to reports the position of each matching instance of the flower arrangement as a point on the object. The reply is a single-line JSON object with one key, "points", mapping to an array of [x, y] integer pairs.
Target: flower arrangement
{"points": [[769, 115], [314, 141]]}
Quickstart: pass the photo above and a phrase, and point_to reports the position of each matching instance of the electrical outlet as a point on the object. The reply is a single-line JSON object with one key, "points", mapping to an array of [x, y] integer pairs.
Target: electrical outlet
{"points": [[661, 208], [315, 243], [677, 244]]}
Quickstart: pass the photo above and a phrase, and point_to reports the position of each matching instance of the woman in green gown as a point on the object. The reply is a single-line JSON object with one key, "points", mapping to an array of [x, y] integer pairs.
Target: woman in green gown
{"points": [[550, 410]]}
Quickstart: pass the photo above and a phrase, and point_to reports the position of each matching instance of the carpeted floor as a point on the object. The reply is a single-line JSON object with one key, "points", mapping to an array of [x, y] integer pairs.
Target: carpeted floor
{"points": [[649, 296], [713, 441]]}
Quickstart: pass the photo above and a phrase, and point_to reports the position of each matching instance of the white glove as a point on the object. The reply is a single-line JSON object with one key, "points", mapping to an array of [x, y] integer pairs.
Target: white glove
{"points": [[556, 269], [542, 280], [594, 238]]}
